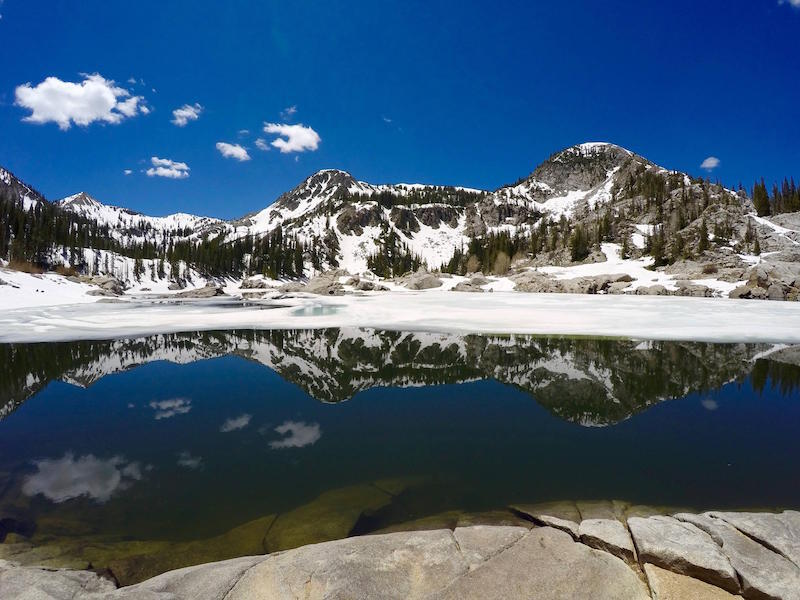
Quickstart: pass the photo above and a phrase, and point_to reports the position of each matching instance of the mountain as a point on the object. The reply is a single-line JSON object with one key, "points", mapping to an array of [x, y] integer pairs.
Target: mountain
{"points": [[130, 227], [563, 212], [18, 191], [589, 382]]}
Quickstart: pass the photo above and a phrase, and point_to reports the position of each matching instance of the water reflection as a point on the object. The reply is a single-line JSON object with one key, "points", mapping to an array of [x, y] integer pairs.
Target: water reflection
{"points": [[68, 477], [298, 434], [592, 382], [145, 454]]}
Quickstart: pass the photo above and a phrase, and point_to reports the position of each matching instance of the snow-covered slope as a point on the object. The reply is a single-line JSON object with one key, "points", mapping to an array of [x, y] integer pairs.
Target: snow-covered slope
{"points": [[12, 187], [129, 227]]}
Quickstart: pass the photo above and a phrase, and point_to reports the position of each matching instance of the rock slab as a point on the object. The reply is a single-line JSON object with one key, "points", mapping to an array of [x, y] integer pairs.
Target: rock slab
{"points": [[682, 548]]}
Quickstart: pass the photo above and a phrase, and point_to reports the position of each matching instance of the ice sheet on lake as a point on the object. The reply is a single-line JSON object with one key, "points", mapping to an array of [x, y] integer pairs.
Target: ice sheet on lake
{"points": [[641, 317]]}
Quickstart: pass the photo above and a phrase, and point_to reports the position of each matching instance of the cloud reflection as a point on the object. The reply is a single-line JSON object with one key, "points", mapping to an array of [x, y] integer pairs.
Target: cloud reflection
{"points": [[186, 460], [169, 408], [710, 404], [235, 423], [299, 434], [60, 479]]}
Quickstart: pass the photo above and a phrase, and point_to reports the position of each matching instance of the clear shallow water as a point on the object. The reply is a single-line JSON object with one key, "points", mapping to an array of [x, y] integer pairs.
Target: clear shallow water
{"points": [[185, 436]]}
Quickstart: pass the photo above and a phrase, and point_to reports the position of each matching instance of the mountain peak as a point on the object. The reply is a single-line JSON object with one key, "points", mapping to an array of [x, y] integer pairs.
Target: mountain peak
{"points": [[79, 199]]}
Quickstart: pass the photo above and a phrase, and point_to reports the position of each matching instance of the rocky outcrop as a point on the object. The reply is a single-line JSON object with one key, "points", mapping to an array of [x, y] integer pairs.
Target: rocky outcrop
{"points": [[666, 585], [682, 548], [763, 573], [697, 556], [609, 535]]}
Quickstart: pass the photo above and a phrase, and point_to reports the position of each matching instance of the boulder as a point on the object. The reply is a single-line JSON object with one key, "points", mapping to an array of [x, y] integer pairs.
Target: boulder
{"points": [[652, 290], [176, 285], [666, 585], [758, 275], [776, 292], [682, 548], [107, 283], [253, 284], [608, 535], [324, 284], [748, 291], [467, 286], [209, 291], [764, 573], [420, 281], [100, 292], [370, 286], [478, 279], [687, 288], [618, 287]]}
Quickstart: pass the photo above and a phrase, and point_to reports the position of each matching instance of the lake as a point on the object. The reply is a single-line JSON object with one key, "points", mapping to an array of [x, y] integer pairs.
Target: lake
{"points": [[264, 440]]}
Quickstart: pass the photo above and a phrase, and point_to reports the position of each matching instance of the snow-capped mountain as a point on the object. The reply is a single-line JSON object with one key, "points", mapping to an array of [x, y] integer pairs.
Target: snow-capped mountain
{"points": [[127, 226], [349, 220]]}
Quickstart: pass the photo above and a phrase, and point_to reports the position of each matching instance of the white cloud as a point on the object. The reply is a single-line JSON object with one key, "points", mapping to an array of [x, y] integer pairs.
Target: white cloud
{"points": [[233, 151], [188, 112], [261, 144], [299, 434], [299, 138], [64, 478], [127, 171], [235, 423], [288, 112], [386, 120], [795, 3], [186, 460], [711, 163], [66, 103], [244, 132], [163, 167], [169, 408]]}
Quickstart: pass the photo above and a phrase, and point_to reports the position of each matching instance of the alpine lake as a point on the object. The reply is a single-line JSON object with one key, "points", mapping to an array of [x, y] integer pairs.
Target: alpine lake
{"points": [[136, 456]]}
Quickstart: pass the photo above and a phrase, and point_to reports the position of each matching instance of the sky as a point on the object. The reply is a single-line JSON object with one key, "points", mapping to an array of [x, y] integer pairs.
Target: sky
{"points": [[218, 108]]}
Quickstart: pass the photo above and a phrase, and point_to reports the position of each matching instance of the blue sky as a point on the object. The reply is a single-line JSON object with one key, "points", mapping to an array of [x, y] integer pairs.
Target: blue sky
{"points": [[468, 93]]}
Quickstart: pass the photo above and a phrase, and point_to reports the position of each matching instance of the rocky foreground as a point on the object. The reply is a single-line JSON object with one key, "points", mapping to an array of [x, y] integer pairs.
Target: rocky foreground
{"points": [[585, 550]]}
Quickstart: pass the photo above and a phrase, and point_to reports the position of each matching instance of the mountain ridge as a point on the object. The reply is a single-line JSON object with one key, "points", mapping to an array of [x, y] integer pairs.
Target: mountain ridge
{"points": [[561, 213]]}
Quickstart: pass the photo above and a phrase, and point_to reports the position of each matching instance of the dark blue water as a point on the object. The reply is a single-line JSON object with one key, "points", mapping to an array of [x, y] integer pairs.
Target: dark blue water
{"points": [[261, 423]]}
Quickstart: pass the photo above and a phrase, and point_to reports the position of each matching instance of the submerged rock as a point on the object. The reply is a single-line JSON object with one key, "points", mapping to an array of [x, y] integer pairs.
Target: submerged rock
{"points": [[330, 516]]}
